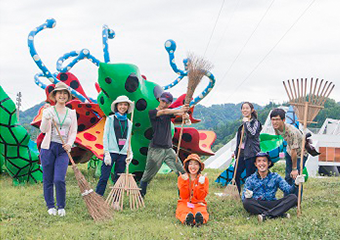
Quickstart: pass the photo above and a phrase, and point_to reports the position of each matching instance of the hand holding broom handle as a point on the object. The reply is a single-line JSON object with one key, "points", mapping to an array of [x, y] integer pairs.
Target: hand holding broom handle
{"points": [[62, 140]]}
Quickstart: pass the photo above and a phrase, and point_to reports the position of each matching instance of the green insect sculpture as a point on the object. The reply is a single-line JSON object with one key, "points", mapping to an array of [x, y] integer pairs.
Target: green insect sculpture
{"points": [[18, 155], [125, 79]]}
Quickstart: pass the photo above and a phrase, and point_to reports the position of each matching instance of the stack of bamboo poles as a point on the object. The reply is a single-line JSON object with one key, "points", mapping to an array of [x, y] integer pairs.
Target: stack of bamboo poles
{"points": [[96, 205], [197, 68], [126, 183], [307, 107]]}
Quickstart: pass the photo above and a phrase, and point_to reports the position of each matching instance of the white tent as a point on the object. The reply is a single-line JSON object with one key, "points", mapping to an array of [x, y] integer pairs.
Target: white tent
{"points": [[327, 142]]}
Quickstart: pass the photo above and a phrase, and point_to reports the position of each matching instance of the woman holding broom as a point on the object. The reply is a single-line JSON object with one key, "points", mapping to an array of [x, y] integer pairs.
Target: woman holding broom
{"points": [[117, 131], [193, 188], [250, 144], [53, 154]]}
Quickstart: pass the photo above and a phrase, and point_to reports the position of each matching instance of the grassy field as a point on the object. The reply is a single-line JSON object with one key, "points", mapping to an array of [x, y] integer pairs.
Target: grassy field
{"points": [[23, 214]]}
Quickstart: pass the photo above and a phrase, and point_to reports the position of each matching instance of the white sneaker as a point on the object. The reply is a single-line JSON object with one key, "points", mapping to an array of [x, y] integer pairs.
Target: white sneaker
{"points": [[52, 211], [61, 212]]}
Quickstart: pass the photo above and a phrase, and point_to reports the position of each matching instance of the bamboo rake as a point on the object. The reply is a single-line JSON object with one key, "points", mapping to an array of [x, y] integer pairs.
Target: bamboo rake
{"points": [[126, 183], [307, 108]]}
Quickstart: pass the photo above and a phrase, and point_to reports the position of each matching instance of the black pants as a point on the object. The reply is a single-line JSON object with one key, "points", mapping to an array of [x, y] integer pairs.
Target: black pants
{"points": [[272, 209], [244, 164]]}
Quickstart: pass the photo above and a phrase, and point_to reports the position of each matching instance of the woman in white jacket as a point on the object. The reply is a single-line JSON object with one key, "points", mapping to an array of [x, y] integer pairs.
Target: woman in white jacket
{"points": [[117, 131]]}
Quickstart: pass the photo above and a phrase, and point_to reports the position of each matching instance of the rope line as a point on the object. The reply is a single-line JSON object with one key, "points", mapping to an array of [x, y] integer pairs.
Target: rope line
{"points": [[212, 33], [267, 54]]}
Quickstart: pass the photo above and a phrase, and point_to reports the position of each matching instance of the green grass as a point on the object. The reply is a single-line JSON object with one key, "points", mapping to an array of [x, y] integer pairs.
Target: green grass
{"points": [[23, 214]]}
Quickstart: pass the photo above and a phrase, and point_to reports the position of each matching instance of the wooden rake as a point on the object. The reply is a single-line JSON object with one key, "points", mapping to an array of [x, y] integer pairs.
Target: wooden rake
{"points": [[197, 68], [125, 183], [307, 107], [96, 205], [231, 190]]}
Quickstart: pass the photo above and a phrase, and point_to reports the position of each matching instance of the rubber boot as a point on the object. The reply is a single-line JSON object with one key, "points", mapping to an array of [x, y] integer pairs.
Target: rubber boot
{"points": [[143, 186]]}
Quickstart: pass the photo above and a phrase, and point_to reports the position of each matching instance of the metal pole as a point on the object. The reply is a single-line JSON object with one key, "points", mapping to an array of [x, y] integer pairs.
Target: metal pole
{"points": [[18, 103]]}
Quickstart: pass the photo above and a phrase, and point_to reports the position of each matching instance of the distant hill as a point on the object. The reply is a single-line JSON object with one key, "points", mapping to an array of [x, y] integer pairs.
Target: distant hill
{"points": [[218, 114]]}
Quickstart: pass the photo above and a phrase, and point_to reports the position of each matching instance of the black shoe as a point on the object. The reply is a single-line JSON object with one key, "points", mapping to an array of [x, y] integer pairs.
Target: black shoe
{"points": [[198, 219], [261, 218], [143, 186], [189, 220], [286, 215]]}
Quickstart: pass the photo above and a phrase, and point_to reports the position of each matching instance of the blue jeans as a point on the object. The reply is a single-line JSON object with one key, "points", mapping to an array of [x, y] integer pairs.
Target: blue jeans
{"points": [[289, 167], [54, 163], [247, 164], [119, 161]]}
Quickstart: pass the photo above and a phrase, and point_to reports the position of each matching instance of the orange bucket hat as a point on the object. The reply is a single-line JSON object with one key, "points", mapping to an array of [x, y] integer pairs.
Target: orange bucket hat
{"points": [[195, 157]]}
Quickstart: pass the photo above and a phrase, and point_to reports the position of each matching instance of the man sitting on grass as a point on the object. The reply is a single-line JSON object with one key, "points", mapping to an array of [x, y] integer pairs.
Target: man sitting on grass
{"points": [[260, 189]]}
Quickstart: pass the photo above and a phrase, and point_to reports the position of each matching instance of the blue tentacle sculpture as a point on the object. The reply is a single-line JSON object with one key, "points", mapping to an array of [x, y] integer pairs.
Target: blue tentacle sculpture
{"points": [[38, 82], [107, 33], [50, 23], [170, 47], [79, 55]]}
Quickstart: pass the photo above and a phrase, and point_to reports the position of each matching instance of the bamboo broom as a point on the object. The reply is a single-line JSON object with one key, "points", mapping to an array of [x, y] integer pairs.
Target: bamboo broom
{"points": [[197, 68], [96, 205]]}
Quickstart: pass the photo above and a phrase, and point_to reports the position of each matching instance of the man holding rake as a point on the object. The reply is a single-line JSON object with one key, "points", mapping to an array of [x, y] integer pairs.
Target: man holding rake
{"points": [[160, 148], [293, 137]]}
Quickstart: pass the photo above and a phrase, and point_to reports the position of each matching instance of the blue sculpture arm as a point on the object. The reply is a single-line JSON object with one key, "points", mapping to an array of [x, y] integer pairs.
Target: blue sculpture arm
{"points": [[50, 23], [83, 54], [107, 33], [38, 82]]}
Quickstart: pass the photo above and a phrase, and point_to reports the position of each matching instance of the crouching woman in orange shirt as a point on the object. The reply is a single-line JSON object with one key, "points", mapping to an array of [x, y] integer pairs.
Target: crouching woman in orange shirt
{"points": [[193, 188]]}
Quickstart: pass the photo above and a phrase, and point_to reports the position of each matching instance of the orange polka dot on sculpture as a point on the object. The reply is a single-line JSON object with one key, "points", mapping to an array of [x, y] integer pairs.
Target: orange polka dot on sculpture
{"points": [[89, 137]]}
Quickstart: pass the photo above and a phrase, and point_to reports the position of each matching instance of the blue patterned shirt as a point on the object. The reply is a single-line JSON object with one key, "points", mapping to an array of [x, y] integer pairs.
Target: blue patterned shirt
{"points": [[266, 188]]}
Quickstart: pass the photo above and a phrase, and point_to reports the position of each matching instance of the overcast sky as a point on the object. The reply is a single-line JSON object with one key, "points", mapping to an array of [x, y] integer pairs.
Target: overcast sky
{"points": [[254, 46]]}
